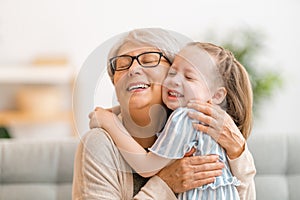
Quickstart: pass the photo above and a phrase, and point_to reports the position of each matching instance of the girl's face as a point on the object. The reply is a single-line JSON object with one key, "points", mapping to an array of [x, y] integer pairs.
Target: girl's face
{"points": [[190, 77], [138, 87]]}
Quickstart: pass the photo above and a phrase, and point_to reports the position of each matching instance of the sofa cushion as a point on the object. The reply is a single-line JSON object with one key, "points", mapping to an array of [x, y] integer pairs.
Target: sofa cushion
{"points": [[277, 165], [37, 168]]}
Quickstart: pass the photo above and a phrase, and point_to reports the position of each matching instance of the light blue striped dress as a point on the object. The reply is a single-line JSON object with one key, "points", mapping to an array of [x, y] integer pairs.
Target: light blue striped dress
{"points": [[177, 138]]}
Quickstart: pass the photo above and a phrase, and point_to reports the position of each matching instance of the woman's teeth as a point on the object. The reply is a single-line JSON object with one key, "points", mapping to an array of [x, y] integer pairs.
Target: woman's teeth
{"points": [[139, 86]]}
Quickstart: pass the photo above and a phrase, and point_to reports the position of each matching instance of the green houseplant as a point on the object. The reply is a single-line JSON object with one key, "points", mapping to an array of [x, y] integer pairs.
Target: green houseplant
{"points": [[4, 132], [247, 44]]}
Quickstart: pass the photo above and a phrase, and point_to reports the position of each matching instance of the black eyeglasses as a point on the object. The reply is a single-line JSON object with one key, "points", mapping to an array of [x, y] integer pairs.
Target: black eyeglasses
{"points": [[146, 59]]}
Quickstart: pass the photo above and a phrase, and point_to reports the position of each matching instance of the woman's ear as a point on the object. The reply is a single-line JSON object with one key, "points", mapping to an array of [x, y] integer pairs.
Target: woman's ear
{"points": [[219, 95]]}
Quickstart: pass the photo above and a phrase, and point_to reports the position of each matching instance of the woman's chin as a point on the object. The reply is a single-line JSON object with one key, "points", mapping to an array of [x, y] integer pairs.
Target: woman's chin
{"points": [[138, 102]]}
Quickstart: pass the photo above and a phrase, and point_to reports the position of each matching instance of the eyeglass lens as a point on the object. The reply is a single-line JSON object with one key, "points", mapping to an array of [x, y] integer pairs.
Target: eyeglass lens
{"points": [[148, 59]]}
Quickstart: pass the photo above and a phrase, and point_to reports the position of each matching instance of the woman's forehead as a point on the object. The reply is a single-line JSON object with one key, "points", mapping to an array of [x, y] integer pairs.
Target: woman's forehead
{"points": [[131, 47]]}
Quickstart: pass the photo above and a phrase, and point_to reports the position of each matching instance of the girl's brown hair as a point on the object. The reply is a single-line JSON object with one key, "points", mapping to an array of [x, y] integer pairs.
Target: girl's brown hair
{"points": [[239, 98]]}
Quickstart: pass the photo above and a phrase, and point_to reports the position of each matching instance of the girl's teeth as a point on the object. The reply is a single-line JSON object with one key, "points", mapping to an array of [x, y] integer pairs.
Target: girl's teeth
{"points": [[174, 94]]}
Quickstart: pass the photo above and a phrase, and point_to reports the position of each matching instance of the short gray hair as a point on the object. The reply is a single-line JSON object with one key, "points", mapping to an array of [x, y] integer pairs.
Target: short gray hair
{"points": [[168, 42]]}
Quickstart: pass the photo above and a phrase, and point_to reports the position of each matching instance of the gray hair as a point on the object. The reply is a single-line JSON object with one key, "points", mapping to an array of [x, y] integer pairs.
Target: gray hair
{"points": [[166, 41]]}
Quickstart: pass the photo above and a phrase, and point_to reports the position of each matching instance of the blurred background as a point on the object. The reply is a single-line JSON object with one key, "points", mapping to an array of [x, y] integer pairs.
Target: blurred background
{"points": [[44, 44]]}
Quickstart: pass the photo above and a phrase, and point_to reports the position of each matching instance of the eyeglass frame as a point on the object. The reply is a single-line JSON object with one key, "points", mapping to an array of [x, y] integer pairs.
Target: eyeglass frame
{"points": [[137, 58]]}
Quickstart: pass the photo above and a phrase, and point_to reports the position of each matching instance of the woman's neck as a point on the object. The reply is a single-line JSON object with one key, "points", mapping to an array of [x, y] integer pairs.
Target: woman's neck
{"points": [[144, 123]]}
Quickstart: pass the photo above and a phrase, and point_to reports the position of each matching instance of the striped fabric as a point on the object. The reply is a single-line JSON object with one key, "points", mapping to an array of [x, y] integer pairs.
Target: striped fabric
{"points": [[177, 138]]}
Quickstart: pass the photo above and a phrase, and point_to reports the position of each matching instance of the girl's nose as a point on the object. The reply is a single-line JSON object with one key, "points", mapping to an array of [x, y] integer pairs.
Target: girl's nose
{"points": [[175, 80]]}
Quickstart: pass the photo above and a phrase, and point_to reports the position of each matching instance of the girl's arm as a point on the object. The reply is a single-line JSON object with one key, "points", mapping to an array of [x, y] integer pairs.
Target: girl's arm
{"points": [[145, 163]]}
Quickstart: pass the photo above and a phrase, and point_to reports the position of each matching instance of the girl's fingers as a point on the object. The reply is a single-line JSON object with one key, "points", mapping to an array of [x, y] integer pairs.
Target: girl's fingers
{"points": [[190, 153], [91, 115], [97, 108]]}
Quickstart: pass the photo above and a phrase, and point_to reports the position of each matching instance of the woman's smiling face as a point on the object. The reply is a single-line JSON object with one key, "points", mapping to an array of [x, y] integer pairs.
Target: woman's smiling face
{"points": [[138, 87]]}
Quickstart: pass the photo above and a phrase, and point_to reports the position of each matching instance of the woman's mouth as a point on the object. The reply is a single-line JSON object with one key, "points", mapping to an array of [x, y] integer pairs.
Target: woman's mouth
{"points": [[138, 86]]}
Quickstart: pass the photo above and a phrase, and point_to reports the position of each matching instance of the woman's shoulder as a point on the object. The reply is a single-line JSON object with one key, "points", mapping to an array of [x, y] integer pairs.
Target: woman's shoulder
{"points": [[97, 141], [97, 145], [95, 134]]}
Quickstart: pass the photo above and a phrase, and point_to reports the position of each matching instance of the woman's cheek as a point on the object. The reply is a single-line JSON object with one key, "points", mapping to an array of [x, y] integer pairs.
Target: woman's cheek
{"points": [[161, 73], [118, 76]]}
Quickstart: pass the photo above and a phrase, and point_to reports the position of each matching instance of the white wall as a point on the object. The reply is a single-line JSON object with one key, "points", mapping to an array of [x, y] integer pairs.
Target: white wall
{"points": [[75, 28]]}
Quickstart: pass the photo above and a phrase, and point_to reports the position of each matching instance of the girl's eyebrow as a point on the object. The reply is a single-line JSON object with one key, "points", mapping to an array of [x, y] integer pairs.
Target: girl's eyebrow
{"points": [[193, 69]]}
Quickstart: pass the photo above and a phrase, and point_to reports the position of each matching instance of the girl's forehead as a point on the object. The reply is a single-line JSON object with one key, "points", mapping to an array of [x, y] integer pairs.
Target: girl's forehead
{"points": [[199, 60], [197, 56]]}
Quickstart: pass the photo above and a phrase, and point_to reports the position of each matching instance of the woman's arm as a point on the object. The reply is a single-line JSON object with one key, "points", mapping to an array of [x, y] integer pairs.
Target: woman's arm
{"points": [[244, 169], [145, 163]]}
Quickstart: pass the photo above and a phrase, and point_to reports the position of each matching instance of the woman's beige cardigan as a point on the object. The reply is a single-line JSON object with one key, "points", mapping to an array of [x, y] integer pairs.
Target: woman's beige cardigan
{"points": [[100, 172]]}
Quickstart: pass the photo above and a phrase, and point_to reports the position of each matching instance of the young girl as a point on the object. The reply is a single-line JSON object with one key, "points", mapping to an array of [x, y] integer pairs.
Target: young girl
{"points": [[200, 71]]}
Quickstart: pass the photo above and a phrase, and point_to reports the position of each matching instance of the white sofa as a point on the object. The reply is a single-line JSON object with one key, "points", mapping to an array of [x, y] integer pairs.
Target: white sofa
{"points": [[278, 165], [36, 169], [43, 169]]}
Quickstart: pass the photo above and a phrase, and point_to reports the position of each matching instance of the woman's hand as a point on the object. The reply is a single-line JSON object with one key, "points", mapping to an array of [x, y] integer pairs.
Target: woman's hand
{"points": [[191, 172], [219, 125]]}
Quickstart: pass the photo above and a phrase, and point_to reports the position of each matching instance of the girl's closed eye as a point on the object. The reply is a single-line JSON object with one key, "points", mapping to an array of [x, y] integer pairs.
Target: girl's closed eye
{"points": [[189, 76]]}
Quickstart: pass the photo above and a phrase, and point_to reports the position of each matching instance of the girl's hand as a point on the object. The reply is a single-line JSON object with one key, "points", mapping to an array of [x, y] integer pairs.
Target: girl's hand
{"points": [[100, 118], [116, 110], [219, 125], [191, 172], [94, 122]]}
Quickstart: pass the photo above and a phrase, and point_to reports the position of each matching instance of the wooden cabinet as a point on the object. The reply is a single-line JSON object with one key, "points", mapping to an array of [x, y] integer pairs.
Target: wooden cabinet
{"points": [[36, 95]]}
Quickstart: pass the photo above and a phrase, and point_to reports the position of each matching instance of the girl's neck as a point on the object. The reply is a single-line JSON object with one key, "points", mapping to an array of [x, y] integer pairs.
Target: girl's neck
{"points": [[144, 123]]}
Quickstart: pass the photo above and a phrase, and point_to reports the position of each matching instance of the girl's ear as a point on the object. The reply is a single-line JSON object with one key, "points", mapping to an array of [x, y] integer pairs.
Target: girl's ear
{"points": [[219, 96]]}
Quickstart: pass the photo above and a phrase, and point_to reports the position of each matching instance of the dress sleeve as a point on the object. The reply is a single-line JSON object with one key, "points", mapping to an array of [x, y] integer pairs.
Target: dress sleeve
{"points": [[244, 169], [171, 142]]}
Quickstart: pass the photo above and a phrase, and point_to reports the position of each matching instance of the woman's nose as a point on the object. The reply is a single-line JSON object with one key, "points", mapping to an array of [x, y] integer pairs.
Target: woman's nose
{"points": [[134, 68]]}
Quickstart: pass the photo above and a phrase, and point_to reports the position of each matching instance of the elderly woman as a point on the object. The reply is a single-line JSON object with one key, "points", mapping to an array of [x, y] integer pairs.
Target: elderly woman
{"points": [[144, 57]]}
